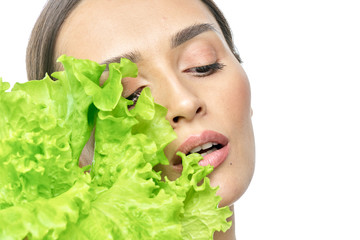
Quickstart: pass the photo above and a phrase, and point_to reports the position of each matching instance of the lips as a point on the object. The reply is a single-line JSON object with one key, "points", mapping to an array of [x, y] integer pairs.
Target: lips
{"points": [[213, 146]]}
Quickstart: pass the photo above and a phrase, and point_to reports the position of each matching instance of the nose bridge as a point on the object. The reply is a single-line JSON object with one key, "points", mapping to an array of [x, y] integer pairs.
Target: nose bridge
{"points": [[178, 96]]}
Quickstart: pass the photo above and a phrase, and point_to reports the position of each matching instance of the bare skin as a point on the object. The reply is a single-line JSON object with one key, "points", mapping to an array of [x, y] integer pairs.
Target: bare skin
{"points": [[196, 77]]}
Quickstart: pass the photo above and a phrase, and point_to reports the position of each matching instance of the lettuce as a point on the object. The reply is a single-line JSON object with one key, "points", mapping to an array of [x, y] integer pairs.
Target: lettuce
{"points": [[44, 194]]}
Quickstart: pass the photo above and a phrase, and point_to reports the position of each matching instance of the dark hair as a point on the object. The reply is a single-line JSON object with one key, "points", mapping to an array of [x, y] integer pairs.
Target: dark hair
{"points": [[40, 57]]}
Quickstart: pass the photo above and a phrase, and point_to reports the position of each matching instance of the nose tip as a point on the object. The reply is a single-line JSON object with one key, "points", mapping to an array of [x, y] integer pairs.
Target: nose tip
{"points": [[185, 109]]}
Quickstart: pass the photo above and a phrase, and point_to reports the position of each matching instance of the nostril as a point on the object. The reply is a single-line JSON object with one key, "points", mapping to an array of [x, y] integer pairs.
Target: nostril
{"points": [[175, 119], [199, 110]]}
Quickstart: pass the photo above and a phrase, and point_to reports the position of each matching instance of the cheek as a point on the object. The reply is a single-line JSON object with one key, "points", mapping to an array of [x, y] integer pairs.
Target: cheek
{"points": [[232, 98], [231, 105]]}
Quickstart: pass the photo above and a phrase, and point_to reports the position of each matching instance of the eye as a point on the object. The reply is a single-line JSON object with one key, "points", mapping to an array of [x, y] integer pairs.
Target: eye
{"points": [[134, 97], [205, 70]]}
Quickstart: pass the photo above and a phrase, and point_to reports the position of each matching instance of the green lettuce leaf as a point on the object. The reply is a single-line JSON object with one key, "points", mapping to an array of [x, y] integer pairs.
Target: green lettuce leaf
{"points": [[44, 194]]}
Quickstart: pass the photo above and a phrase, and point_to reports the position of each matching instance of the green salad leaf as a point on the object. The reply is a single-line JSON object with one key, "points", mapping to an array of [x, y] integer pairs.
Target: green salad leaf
{"points": [[44, 194]]}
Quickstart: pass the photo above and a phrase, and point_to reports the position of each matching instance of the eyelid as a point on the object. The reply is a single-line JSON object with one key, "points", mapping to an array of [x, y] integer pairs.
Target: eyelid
{"points": [[130, 85]]}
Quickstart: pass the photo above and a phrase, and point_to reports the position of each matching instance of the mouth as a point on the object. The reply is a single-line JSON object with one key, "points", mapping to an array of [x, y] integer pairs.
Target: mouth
{"points": [[212, 146]]}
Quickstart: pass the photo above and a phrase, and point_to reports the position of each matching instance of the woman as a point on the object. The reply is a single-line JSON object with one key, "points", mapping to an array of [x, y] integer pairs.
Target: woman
{"points": [[185, 55]]}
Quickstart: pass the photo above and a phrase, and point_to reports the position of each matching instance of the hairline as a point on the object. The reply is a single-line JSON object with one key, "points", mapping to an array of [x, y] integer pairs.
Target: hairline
{"points": [[40, 54]]}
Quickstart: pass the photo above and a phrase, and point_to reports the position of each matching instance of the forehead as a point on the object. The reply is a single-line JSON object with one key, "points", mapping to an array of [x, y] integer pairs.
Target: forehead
{"points": [[97, 28]]}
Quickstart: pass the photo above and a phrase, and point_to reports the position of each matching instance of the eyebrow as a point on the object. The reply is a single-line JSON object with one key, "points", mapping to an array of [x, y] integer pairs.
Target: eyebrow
{"points": [[133, 56], [189, 33], [178, 39]]}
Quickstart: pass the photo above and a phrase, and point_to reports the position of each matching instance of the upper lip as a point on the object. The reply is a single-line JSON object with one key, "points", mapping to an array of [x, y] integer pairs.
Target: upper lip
{"points": [[197, 140]]}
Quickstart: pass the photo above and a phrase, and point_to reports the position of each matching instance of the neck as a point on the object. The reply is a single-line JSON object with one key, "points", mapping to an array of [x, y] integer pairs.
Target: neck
{"points": [[229, 234]]}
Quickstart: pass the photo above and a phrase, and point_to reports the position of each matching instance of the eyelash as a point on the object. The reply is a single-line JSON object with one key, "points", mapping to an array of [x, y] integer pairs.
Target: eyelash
{"points": [[134, 97], [204, 71]]}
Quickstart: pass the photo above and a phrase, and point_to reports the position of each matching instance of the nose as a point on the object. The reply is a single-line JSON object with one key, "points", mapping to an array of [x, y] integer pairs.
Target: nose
{"points": [[184, 108], [182, 100]]}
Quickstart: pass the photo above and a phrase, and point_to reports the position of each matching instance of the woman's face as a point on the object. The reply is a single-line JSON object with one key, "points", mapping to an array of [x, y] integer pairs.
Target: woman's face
{"points": [[185, 61]]}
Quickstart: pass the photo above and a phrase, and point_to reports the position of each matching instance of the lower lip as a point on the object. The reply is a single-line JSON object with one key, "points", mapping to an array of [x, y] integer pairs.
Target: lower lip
{"points": [[214, 159]]}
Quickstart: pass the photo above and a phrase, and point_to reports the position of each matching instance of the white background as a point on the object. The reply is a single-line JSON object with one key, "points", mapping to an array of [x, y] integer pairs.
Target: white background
{"points": [[303, 61]]}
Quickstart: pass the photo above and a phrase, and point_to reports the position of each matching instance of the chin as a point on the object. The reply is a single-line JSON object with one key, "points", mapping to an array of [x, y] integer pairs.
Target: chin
{"points": [[232, 184]]}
